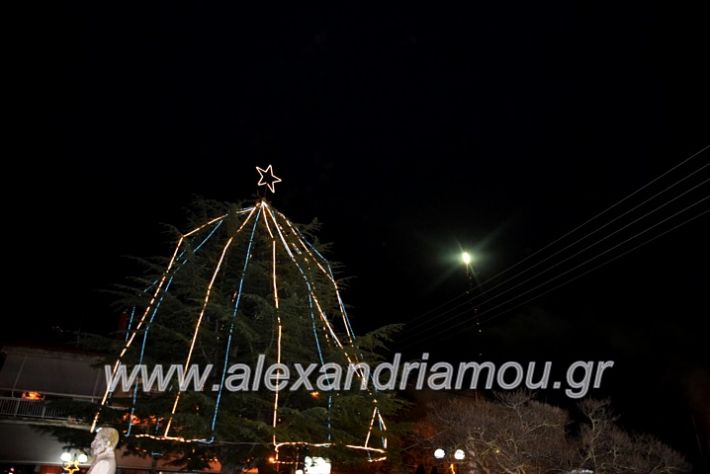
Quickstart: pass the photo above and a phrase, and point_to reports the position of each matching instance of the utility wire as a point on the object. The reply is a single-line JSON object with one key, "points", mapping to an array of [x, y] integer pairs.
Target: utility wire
{"points": [[468, 322], [597, 242], [596, 216]]}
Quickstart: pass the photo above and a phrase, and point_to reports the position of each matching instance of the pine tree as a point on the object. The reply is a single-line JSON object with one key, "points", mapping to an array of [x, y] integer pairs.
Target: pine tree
{"points": [[246, 284]]}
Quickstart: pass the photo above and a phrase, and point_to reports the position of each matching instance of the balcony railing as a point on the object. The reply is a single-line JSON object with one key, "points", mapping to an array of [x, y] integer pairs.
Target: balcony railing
{"points": [[19, 408]]}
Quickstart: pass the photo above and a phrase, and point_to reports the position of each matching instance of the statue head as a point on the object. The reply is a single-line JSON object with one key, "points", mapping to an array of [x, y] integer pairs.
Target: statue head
{"points": [[105, 439]]}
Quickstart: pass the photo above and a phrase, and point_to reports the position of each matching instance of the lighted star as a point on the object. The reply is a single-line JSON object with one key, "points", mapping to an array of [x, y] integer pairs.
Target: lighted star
{"points": [[71, 467], [267, 178]]}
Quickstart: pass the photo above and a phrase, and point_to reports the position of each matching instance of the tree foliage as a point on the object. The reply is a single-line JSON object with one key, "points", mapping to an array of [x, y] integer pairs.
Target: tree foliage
{"points": [[229, 261]]}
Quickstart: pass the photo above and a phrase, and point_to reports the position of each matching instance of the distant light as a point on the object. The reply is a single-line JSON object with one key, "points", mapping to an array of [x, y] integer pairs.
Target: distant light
{"points": [[32, 396], [82, 458], [272, 460], [65, 457], [134, 419], [315, 394], [439, 453], [459, 455], [466, 258]]}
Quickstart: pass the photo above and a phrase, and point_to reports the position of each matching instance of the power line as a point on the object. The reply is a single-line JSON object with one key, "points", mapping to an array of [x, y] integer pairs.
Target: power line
{"points": [[517, 285], [606, 262], [616, 204], [465, 322]]}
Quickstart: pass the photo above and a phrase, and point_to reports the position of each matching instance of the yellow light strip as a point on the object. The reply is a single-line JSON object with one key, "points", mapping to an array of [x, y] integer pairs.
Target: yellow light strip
{"points": [[335, 287], [274, 419], [366, 448], [212, 221], [325, 320], [325, 272], [303, 244], [128, 343], [329, 445], [278, 343], [372, 423], [323, 317], [328, 325], [205, 302], [178, 439], [303, 443], [379, 415], [197, 229], [384, 428], [344, 317], [318, 307], [273, 276], [266, 222]]}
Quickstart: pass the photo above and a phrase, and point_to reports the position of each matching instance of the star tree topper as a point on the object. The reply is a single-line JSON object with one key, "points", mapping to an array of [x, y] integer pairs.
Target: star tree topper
{"points": [[71, 467], [267, 178]]}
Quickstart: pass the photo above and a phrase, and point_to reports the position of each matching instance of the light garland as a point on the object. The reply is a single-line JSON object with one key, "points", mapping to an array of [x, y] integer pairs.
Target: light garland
{"points": [[205, 302], [346, 321], [324, 317], [237, 301], [160, 282], [135, 331], [219, 222], [278, 345]]}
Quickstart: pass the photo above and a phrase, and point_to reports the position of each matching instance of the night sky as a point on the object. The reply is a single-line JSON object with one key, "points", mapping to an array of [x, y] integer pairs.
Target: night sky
{"points": [[410, 133]]}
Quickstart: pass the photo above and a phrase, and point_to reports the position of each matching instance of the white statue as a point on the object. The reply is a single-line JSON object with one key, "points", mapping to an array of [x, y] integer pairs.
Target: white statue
{"points": [[102, 449]]}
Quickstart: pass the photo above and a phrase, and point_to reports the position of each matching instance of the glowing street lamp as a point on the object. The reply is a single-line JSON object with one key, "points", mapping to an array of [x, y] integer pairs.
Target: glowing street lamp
{"points": [[466, 258], [71, 461], [459, 456]]}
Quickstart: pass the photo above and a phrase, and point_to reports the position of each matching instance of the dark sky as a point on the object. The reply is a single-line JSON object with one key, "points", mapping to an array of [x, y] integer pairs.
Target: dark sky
{"points": [[408, 132]]}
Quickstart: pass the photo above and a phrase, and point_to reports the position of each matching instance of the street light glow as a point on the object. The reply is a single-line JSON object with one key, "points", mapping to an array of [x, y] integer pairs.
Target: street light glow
{"points": [[82, 458], [439, 453], [466, 258], [459, 455], [65, 457]]}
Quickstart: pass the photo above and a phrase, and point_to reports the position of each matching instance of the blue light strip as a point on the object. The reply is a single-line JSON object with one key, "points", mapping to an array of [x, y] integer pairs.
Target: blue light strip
{"points": [[332, 276], [321, 358], [330, 273], [142, 353], [383, 440], [310, 303], [130, 322], [209, 236], [345, 314], [153, 314], [318, 346], [315, 331], [247, 258]]}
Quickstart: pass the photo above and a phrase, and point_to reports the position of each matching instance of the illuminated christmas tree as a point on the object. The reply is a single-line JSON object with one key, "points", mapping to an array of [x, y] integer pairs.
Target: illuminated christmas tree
{"points": [[243, 289]]}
